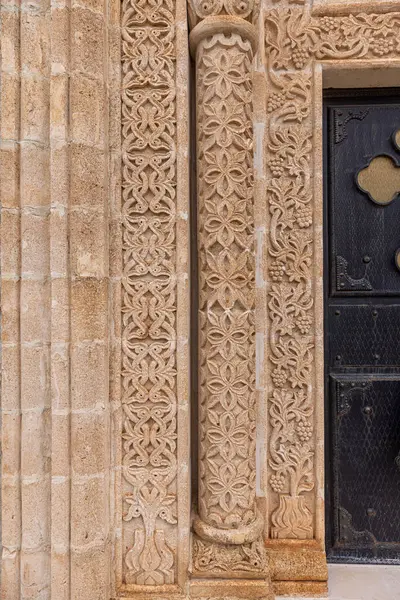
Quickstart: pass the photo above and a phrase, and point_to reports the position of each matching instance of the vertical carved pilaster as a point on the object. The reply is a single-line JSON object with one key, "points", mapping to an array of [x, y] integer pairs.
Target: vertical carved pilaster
{"points": [[149, 292], [228, 525], [291, 287]]}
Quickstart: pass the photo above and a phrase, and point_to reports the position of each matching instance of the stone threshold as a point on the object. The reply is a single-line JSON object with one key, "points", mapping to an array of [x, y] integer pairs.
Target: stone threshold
{"points": [[361, 582]]}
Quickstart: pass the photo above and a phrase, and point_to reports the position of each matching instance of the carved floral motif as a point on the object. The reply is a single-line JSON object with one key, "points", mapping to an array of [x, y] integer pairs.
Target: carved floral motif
{"points": [[149, 288], [226, 265]]}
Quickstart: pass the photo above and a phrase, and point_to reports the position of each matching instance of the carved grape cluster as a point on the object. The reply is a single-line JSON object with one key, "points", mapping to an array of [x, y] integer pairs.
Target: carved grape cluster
{"points": [[304, 430], [304, 216], [300, 56], [304, 322], [275, 101], [277, 166], [328, 24], [382, 46], [277, 270], [277, 482], [279, 377]]}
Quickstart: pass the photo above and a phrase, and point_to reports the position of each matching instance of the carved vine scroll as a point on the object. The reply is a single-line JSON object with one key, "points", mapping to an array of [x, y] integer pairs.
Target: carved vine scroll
{"points": [[293, 41], [291, 291], [149, 291]]}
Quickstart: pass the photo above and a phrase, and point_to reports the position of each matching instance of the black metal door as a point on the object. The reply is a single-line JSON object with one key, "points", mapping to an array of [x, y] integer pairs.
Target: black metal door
{"points": [[362, 327]]}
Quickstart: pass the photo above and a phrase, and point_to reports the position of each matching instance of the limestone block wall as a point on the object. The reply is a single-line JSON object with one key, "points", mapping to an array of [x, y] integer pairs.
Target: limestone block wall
{"points": [[58, 152]]}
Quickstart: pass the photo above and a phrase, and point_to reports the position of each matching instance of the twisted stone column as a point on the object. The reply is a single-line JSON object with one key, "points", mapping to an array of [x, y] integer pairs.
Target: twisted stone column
{"points": [[228, 525]]}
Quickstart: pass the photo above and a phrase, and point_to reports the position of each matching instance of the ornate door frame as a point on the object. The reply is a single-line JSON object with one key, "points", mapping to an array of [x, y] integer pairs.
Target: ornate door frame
{"points": [[306, 50], [299, 49]]}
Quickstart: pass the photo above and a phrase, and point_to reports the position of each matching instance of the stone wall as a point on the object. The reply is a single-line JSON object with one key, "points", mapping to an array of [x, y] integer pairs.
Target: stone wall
{"points": [[57, 187]]}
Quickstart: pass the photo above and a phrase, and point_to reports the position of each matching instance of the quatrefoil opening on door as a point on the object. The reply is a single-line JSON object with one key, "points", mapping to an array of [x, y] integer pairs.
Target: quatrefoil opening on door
{"points": [[396, 139], [380, 180]]}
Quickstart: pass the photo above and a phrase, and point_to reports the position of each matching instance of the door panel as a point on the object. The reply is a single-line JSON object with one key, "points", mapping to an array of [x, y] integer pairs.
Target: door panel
{"points": [[362, 328], [364, 335]]}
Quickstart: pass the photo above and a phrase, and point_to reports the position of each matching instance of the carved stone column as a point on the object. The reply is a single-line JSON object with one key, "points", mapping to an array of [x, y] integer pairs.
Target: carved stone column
{"points": [[228, 525]]}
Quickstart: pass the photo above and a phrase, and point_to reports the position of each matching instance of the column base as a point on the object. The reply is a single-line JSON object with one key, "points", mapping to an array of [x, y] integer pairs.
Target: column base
{"points": [[231, 589], [238, 536]]}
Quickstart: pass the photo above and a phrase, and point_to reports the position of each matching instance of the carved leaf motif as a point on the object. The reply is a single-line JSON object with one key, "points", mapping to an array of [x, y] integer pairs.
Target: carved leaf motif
{"points": [[290, 303], [219, 558], [293, 41], [226, 255]]}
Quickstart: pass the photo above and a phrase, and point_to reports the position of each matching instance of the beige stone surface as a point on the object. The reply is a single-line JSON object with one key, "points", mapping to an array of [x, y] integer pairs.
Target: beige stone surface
{"points": [[96, 338], [54, 269]]}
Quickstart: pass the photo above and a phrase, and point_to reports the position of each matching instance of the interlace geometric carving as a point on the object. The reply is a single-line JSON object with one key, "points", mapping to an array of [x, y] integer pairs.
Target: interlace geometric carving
{"points": [[149, 290]]}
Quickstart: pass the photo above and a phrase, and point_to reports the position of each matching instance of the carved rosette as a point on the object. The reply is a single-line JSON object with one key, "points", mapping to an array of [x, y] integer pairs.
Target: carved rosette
{"points": [[149, 292], [228, 523]]}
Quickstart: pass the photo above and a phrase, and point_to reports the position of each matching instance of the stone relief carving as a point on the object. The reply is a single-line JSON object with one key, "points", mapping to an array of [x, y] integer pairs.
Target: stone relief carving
{"points": [[227, 350], [290, 300], [201, 9], [293, 40], [149, 288], [211, 558], [228, 525]]}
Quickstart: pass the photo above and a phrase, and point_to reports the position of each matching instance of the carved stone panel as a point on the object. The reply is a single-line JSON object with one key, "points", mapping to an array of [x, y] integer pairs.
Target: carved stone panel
{"points": [[149, 300]]}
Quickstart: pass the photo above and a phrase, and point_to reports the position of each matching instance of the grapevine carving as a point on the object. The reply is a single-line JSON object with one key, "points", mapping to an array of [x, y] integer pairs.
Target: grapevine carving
{"points": [[149, 289], [293, 38], [226, 261], [293, 41]]}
